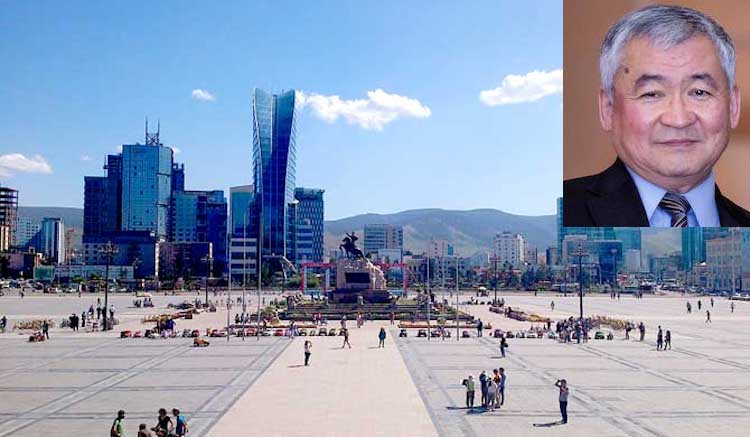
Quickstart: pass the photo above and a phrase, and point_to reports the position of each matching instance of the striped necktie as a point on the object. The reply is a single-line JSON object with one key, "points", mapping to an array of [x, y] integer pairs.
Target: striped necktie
{"points": [[677, 207]]}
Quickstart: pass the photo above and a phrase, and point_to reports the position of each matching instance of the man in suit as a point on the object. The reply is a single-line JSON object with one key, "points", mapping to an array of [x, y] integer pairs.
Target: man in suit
{"points": [[668, 100]]}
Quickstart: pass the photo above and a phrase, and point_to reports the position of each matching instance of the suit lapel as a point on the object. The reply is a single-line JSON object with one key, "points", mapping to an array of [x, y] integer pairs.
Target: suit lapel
{"points": [[726, 219], [613, 199]]}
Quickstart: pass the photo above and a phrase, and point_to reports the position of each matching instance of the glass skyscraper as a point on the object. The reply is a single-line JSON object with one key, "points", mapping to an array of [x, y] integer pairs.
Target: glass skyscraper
{"points": [[146, 188], [274, 165]]}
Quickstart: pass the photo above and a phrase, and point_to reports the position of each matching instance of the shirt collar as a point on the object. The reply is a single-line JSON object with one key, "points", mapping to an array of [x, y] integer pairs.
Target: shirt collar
{"points": [[702, 198]]}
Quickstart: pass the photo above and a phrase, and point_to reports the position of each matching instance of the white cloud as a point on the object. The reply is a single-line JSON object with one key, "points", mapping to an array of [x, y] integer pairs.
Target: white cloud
{"points": [[118, 149], [524, 88], [17, 163], [85, 158], [379, 109], [175, 150], [204, 95]]}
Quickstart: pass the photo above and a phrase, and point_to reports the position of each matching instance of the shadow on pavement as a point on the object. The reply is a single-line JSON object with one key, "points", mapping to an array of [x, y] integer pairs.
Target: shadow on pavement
{"points": [[549, 424]]}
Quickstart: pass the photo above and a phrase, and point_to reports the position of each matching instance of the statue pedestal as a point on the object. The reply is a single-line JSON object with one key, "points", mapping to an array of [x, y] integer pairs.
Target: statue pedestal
{"points": [[359, 280]]}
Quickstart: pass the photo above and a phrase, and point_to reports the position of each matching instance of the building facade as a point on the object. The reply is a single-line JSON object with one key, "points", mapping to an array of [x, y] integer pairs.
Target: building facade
{"points": [[382, 236], [146, 187], [201, 217], [8, 217], [309, 221], [510, 248], [52, 238]]}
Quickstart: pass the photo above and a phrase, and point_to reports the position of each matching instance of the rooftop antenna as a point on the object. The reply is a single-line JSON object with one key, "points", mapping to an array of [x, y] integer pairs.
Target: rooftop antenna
{"points": [[152, 139]]}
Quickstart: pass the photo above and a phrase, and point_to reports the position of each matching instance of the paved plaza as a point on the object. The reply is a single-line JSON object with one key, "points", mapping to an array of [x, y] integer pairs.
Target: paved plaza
{"points": [[76, 382]]}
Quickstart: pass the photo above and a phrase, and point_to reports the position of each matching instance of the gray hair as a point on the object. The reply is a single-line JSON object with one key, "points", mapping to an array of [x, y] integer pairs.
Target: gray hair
{"points": [[666, 27]]}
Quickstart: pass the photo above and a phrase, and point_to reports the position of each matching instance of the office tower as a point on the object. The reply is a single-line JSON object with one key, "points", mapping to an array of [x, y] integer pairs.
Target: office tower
{"points": [[308, 225], [8, 216], [53, 239], [382, 236]]}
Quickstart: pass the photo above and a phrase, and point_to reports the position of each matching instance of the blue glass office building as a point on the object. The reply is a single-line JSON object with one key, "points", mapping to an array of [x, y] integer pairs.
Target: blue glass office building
{"points": [[274, 165], [146, 188]]}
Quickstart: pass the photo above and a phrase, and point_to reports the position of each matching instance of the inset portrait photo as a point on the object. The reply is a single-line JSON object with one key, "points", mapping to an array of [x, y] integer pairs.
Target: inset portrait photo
{"points": [[655, 133]]}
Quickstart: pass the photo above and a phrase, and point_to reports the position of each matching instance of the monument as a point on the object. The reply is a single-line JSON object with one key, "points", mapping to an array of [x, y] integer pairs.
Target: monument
{"points": [[358, 279]]}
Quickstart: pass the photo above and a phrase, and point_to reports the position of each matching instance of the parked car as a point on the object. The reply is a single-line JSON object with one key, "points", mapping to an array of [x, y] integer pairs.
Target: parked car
{"points": [[531, 334], [599, 335], [313, 333], [302, 333], [402, 333], [552, 334], [322, 331], [510, 334], [278, 333], [332, 332], [435, 333], [422, 333]]}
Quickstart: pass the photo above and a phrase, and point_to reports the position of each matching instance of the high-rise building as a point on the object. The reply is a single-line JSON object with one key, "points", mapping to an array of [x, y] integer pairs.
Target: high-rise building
{"points": [[510, 248], [630, 237], [382, 236], [102, 200], [178, 177], [8, 215], [274, 164], [53, 239], [201, 217], [241, 197], [146, 186], [591, 233], [440, 249], [693, 247], [308, 225], [27, 234]]}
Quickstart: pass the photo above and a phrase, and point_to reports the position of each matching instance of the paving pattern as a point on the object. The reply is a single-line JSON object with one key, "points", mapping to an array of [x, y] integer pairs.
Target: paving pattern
{"points": [[619, 387], [77, 384]]}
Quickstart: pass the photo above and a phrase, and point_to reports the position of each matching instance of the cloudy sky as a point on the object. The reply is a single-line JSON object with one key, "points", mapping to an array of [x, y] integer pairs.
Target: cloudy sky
{"points": [[419, 104]]}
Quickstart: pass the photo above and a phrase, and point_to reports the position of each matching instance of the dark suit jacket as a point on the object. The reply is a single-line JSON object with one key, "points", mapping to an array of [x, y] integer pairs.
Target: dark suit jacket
{"points": [[611, 198]]}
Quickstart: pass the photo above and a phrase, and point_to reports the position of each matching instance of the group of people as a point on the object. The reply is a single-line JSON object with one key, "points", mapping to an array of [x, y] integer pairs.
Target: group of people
{"points": [[165, 425], [145, 303], [629, 326], [565, 329], [663, 340]]}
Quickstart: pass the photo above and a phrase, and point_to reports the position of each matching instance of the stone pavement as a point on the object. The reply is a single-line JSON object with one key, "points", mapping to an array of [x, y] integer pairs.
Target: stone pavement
{"points": [[362, 391]]}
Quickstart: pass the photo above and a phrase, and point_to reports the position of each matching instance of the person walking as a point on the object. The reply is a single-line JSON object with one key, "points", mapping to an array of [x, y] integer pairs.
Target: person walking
{"points": [[708, 316], [501, 387], [116, 430], [181, 427], [164, 424], [628, 328], [308, 351], [393, 317], [3, 324], [503, 345], [642, 329], [552, 305], [381, 338], [668, 340], [480, 325], [483, 387], [469, 383], [659, 339], [699, 304], [346, 338], [712, 302], [45, 328], [564, 392], [731, 306], [143, 431], [98, 309]]}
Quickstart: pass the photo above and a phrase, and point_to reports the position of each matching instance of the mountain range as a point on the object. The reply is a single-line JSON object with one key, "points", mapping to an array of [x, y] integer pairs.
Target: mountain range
{"points": [[469, 231]]}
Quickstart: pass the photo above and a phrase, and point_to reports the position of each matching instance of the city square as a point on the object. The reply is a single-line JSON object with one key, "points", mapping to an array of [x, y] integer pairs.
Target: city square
{"points": [[77, 381]]}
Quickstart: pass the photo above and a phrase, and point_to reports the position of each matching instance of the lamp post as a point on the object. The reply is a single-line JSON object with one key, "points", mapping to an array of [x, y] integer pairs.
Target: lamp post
{"points": [[580, 253], [109, 250], [614, 267], [457, 301], [210, 261], [429, 299]]}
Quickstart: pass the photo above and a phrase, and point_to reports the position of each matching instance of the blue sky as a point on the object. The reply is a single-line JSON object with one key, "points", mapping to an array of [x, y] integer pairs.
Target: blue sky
{"points": [[79, 78]]}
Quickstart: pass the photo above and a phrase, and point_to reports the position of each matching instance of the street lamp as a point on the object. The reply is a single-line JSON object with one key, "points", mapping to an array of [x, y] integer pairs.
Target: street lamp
{"points": [[109, 250], [429, 299], [210, 260], [614, 266], [457, 301], [580, 253]]}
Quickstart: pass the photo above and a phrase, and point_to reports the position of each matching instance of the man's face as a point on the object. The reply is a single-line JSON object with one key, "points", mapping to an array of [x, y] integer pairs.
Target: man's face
{"points": [[671, 112]]}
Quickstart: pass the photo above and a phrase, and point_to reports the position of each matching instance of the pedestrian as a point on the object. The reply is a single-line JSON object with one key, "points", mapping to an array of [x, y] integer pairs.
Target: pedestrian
{"points": [[164, 424], [501, 386], [181, 427], [628, 328], [45, 328], [112, 311], [731, 305], [712, 302], [708, 316], [503, 345], [308, 349], [116, 430], [346, 338], [491, 391], [98, 311], [564, 392], [699, 305], [480, 325], [381, 338], [483, 387], [659, 339], [72, 319], [83, 319], [143, 431], [3, 324], [552, 305], [668, 340], [393, 317], [343, 322], [642, 328], [469, 383], [689, 307]]}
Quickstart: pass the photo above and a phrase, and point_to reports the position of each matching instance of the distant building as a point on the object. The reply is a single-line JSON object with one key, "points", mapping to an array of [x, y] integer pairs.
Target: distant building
{"points": [[440, 249], [665, 267], [511, 248], [633, 260], [146, 187], [52, 240], [724, 259], [8, 216], [240, 197], [243, 254], [201, 217], [382, 236], [135, 248], [73, 245], [102, 200], [309, 225], [27, 234], [186, 260]]}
